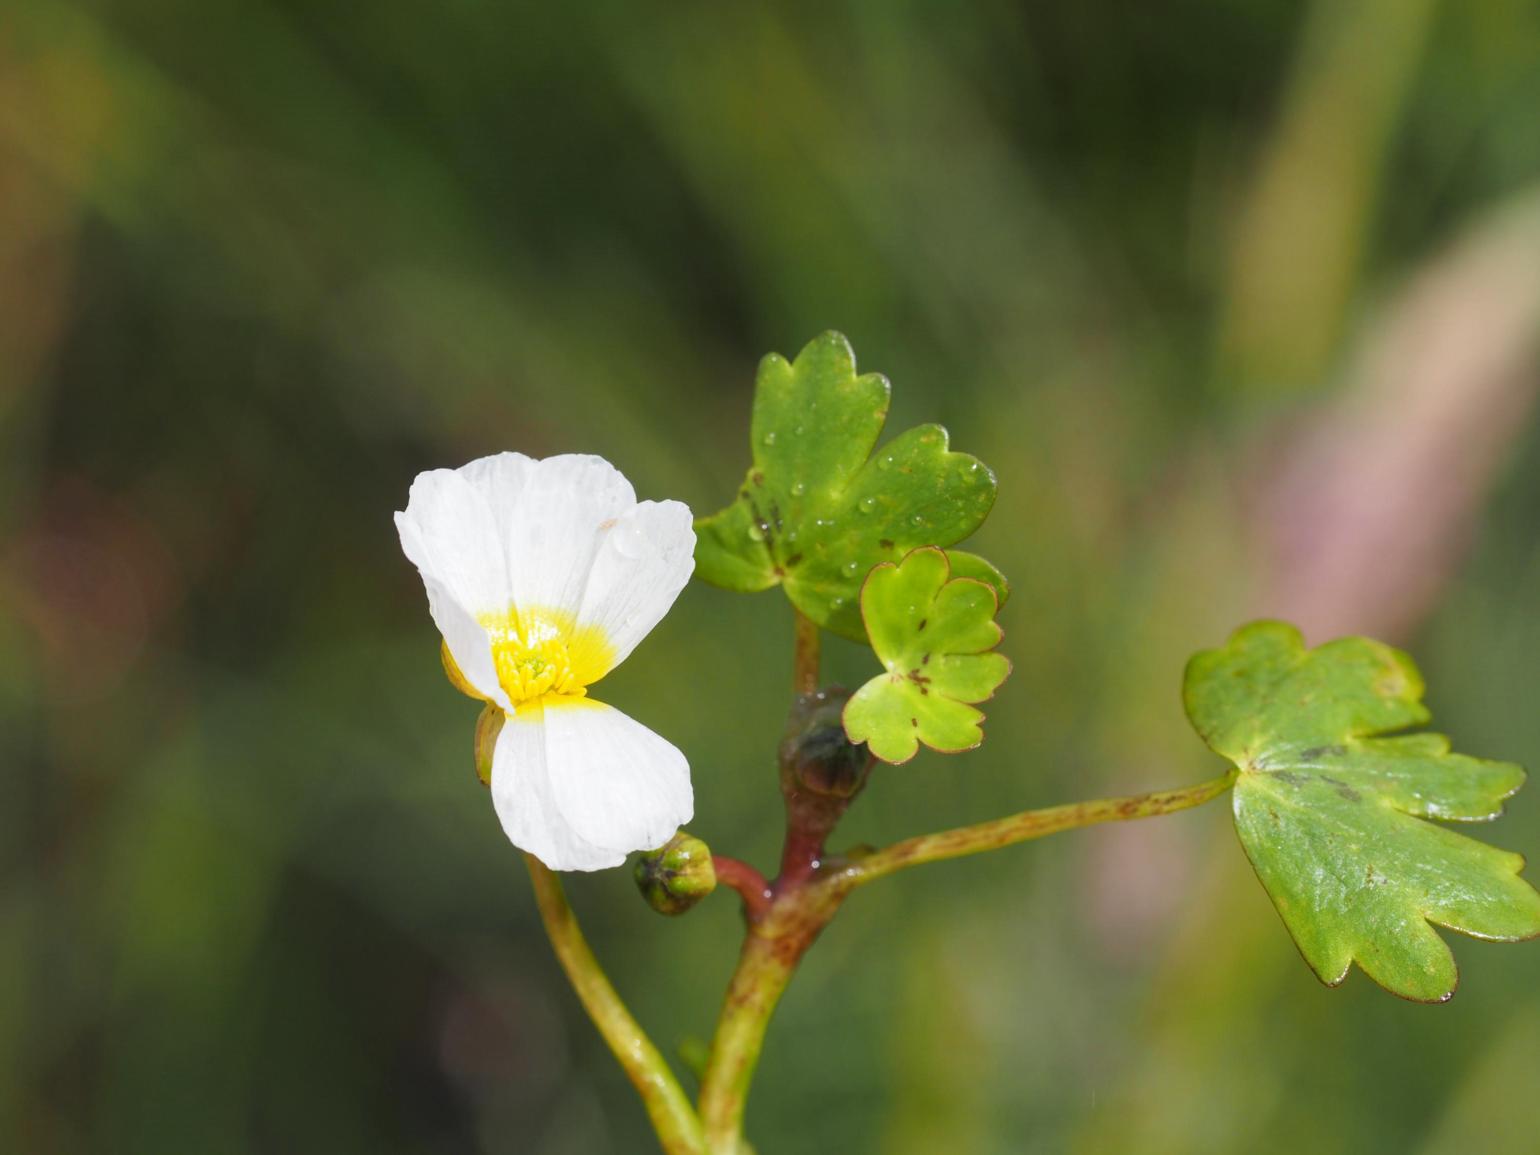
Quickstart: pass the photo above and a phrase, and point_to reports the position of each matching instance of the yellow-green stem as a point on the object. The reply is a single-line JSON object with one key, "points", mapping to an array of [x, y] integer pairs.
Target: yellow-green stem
{"points": [[771, 950], [796, 914], [804, 674], [1031, 824], [755, 989], [674, 1120]]}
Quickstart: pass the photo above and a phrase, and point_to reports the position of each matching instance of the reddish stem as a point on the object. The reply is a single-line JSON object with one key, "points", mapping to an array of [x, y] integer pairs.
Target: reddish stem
{"points": [[807, 830], [748, 882]]}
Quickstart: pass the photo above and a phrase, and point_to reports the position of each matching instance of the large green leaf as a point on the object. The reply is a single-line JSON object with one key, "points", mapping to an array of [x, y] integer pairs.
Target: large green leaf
{"points": [[934, 634], [817, 511], [1331, 812]]}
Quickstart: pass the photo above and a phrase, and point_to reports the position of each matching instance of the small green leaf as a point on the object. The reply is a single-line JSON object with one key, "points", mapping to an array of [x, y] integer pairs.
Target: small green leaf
{"points": [[817, 511], [1331, 812], [934, 633]]}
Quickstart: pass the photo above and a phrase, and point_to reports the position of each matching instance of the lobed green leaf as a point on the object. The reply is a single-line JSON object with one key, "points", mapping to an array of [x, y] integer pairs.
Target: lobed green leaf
{"points": [[1332, 813], [934, 634], [817, 510]]}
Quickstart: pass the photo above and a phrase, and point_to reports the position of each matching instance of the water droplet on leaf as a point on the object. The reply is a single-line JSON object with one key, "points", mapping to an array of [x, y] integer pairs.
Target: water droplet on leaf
{"points": [[868, 504]]}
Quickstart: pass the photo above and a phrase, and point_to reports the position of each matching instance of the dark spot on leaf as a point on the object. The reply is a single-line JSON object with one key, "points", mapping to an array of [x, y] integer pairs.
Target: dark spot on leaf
{"points": [[1315, 752], [1290, 777], [793, 559], [925, 660], [915, 722], [757, 477], [1343, 789], [885, 543]]}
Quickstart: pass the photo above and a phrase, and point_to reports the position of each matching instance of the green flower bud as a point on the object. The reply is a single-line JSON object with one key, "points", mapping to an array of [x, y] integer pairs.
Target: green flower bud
{"points": [[677, 876], [815, 751]]}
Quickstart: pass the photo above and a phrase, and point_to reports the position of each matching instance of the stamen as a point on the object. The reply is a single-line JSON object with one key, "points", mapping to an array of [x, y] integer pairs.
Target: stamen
{"points": [[528, 669], [532, 657], [542, 653]]}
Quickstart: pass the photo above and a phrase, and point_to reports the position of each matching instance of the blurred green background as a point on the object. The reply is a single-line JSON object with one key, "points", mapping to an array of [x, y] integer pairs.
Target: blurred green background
{"points": [[1239, 297]]}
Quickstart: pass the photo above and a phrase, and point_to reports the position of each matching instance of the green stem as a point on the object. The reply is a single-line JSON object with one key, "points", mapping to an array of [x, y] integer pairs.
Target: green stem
{"points": [[678, 1128], [756, 987], [785, 917], [771, 951], [802, 905], [1031, 824], [804, 673]]}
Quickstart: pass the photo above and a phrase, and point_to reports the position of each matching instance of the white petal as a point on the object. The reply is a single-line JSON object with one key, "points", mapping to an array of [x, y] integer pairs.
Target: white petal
{"points": [[554, 527], [521, 795], [615, 781], [467, 641], [580, 785], [642, 563], [501, 479], [449, 533], [565, 534]]}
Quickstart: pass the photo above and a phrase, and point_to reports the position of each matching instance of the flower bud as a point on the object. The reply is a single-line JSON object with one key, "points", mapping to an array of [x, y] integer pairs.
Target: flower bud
{"points": [[677, 876], [815, 751]]}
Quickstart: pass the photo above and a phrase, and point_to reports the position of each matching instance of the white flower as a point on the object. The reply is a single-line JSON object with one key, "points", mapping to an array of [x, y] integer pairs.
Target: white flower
{"points": [[542, 576]]}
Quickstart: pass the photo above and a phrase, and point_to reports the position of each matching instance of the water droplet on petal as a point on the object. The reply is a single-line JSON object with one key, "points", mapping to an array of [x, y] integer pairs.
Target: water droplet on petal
{"points": [[629, 540]]}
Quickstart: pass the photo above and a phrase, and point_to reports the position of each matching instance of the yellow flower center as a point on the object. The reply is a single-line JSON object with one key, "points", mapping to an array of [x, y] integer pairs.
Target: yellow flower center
{"points": [[529, 668], [540, 654]]}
